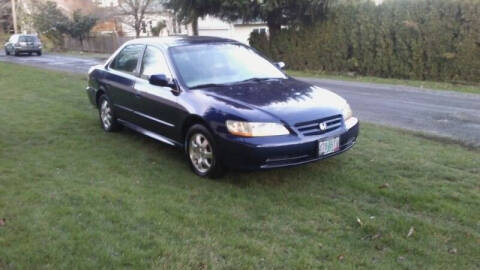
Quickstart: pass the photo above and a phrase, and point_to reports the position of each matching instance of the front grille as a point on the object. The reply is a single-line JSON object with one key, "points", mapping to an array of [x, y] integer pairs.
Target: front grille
{"points": [[312, 128]]}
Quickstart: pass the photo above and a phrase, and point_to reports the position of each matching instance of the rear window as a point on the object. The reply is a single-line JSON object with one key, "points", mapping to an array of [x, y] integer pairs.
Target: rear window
{"points": [[27, 39]]}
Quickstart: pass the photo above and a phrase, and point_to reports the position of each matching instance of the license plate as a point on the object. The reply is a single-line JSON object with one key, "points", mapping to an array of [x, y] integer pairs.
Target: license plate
{"points": [[328, 146]]}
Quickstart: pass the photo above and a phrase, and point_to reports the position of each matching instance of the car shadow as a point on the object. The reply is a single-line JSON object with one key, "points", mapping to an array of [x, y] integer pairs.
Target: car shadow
{"points": [[24, 55], [273, 178]]}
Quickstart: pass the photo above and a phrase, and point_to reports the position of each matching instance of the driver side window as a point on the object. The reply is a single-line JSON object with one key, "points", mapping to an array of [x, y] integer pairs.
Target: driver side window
{"points": [[154, 63]]}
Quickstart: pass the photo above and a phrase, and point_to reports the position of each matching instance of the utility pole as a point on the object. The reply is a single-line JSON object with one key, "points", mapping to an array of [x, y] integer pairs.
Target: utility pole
{"points": [[14, 16]]}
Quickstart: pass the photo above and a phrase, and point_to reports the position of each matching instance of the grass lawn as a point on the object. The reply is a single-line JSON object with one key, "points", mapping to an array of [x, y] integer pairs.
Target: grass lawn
{"points": [[475, 89], [72, 196]]}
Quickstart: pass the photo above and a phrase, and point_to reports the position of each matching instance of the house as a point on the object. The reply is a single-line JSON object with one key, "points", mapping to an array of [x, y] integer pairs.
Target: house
{"points": [[67, 6], [208, 26], [238, 30], [122, 24], [70, 6]]}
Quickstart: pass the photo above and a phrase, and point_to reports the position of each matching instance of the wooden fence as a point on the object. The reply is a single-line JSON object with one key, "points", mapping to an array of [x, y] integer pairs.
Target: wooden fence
{"points": [[96, 44]]}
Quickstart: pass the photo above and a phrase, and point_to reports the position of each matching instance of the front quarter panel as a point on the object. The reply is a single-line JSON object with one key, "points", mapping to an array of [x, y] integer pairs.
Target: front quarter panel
{"points": [[215, 111], [95, 76]]}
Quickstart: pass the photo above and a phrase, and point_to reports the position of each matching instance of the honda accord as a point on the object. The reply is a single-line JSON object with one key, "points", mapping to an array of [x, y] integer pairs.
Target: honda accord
{"points": [[220, 101]]}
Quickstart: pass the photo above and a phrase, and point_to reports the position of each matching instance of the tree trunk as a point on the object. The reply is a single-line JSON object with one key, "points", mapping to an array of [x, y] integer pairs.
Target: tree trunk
{"points": [[137, 27], [137, 31], [274, 28], [195, 26], [14, 17]]}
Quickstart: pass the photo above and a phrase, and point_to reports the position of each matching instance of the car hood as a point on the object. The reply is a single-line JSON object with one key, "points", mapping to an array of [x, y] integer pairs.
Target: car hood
{"points": [[289, 100]]}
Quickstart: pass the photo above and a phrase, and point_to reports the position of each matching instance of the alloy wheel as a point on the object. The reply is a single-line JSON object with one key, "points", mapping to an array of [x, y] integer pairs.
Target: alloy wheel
{"points": [[106, 115], [200, 153]]}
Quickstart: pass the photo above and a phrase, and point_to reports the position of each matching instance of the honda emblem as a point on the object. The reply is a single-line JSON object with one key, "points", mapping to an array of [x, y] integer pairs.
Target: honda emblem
{"points": [[323, 126]]}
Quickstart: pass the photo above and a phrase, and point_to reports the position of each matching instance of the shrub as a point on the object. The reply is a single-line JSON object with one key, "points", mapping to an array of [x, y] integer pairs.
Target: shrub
{"points": [[408, 39]]}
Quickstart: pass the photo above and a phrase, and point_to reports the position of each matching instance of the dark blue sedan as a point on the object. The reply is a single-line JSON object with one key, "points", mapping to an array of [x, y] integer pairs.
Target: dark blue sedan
{"points": [[223, 103]]}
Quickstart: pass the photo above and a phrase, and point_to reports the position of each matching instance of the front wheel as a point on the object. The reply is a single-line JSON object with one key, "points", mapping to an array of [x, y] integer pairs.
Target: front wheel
{"points": [[202, 154], [107, 117], [7, 52]]}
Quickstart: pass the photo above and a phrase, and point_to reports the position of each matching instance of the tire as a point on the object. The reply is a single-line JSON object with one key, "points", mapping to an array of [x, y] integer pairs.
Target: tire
{"points": [[108, 121], [202, 152], [39, 53], [16, 53], [7, 52]]}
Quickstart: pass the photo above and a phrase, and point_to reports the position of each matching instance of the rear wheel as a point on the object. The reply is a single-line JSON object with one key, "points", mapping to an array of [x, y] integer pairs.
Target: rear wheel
{"points": [[7, 52], [202, 154], [39, 53], [107, 117]]}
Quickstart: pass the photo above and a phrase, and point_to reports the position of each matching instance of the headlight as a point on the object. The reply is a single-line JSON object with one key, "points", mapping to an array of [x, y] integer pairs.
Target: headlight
{"points": [[255, 129], [347, 112]]}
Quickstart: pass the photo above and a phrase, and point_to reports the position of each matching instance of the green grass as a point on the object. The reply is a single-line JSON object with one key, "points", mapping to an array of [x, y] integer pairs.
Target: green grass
{"points": [[465, 88], [75, 197]]}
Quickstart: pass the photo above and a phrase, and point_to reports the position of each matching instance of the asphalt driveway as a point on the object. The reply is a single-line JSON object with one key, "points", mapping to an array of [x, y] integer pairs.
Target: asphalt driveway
{"points": [[448, 114], [54, 61]]}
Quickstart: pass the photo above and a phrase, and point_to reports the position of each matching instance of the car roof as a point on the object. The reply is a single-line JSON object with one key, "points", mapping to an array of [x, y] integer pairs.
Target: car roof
{"points": [[174, 41], [24, 35]]}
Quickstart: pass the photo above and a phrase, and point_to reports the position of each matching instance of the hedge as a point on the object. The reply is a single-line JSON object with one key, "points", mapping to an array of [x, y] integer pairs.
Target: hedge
{"points": [[408, 39]]}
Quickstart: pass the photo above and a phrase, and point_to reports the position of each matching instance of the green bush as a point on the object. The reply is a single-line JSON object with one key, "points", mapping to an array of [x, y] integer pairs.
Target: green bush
{"points": [[407, 39]]}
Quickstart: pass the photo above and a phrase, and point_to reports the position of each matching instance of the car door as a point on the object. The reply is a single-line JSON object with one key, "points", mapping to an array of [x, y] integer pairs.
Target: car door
{"points": [[120, 80], [157, 105]]}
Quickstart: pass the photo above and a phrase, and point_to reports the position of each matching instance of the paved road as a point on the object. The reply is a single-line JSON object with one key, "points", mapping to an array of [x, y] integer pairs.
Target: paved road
{"points": [[444, 113], [54, 62]]}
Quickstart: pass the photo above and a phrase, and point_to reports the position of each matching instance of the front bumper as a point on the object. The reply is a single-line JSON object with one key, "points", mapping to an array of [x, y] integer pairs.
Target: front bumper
{"points": [[268, 153], [91, 93]]}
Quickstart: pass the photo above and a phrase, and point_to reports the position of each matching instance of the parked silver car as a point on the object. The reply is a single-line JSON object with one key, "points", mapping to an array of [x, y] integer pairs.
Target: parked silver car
{"points": [[18, 44]]}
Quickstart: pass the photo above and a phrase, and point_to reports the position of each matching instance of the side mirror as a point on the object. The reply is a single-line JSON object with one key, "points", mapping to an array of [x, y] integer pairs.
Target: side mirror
{"points": [[280, 65], [162, 80], [159, 80]]}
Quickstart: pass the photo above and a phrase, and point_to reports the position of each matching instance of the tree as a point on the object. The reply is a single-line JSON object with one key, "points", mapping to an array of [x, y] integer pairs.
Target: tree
{"points": [[276, 13], [5, 15], [80, 25], [136, 10], [50, 22], [158, 28], [189, 11]]}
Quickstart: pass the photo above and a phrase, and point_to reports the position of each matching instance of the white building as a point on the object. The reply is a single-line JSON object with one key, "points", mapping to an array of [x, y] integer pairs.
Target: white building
{"points": [[208, 26], [240, 31], [155, 14]]}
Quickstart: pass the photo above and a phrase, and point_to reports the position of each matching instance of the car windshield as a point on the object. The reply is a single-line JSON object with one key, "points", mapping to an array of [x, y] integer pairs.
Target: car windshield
{"points": [[27, 39], [219, 64]]}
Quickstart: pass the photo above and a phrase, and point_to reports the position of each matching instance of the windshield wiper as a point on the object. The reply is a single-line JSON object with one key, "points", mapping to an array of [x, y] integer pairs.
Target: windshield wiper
{"points": [[230, 84], [209, 85], [257, 80]]}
